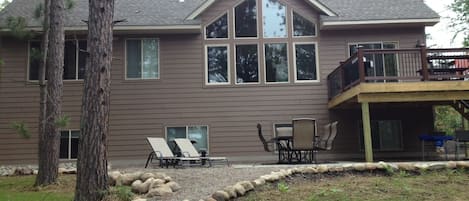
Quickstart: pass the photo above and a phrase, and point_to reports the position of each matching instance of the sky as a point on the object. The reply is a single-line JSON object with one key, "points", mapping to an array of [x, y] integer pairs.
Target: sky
{"points": [[440, 34]]}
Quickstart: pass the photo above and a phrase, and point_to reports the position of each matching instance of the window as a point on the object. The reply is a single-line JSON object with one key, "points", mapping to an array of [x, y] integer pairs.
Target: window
{"points": [[305, 62], [69, 144], [197, 134], [142, 59], [386, 135], [380, 64], [302, 26], [218, 29], [217, 64], [74, 59], [276, 62], [274, 19], [246, 19], [247, 65], [261, 33]]}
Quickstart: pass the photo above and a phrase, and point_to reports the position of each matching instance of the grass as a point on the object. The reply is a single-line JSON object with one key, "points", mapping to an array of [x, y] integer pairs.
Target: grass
{"points": [[443, 185], [20, 188]]}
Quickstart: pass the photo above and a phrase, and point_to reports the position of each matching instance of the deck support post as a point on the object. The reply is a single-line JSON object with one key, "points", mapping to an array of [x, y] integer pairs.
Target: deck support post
{"points": [[367, 132]]}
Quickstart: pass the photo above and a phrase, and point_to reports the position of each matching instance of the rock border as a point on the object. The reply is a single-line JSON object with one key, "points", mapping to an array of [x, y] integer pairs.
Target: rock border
{"points": [[241, 188]]}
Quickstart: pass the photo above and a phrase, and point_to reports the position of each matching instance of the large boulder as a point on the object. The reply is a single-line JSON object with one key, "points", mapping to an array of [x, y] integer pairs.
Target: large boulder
{"points": [[231, 191], [240, 191], [161, 191], [174, 186], [113, 177], [246, 185], [146, 176], [137, 187], [221, 196]]}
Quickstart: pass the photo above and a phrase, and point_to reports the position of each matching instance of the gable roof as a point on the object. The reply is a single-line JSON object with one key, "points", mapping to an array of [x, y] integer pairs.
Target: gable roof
{"points": [[182, 14], [379, 11]]}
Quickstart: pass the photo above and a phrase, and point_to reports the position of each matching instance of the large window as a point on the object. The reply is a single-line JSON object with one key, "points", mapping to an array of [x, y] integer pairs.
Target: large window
{"points": [[197, 134], [74, 60], [386, 135], [247, 65], [380, 64], [306, 62], [264, 48], [142, 59], [217, 64], [69, 144]]}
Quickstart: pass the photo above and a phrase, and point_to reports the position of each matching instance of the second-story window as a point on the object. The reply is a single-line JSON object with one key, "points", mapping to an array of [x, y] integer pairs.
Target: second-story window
{"points": [[274, 19], [246, 19], [74, 60], [142, 59]]}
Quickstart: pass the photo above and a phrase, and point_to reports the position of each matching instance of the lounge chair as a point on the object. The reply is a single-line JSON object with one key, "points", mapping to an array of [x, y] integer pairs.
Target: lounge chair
{"points": [[163, 153], [188, 151]]}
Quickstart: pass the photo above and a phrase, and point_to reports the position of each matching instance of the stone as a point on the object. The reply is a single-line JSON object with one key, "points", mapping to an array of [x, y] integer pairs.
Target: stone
{"points": [[159, 175], [161, 191], [136, 187], [451, 165], [259, 182], [23, 171], [113, 177], [371, 166], [231, 191], [174, 186], [146, 185], [221, 196], [359, 167], [240, 191], [61, 170], [347, 167], [208, 199], [406, 167], [167, 179], [436, 166], [146, 176], [70, 171], [156, 183], [310, 170], [139, 199], [462, 164], [336, 169], [246, 185], [323, 169], [35, 172]]}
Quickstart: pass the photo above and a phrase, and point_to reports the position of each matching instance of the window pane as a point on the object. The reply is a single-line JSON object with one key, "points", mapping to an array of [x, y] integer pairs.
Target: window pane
{"points": [[274, 19], [246, 19], [82, 58], [134, 58], [199, 134], [175, 132], [218, 29], [34, 59], [74, 144], [302, 26], [306, 62], [276, 62], [217, 64], [64, 137], [247, 68], [70, 60], [150, 58], [390, 135]]}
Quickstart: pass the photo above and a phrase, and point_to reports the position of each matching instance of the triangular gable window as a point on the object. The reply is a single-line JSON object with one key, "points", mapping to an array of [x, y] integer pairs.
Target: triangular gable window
{"points": [[303, 26], [218, 29]]}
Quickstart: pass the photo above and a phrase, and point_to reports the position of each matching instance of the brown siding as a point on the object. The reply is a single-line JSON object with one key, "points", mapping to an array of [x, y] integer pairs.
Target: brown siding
{"points": [[144, 108]]}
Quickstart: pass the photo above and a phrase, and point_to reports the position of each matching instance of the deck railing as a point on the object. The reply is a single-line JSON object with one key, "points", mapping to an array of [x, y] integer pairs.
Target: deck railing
{"points": [[399, 65]]}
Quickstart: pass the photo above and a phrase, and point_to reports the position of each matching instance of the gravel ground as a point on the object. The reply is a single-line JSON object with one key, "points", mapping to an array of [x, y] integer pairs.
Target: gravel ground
{"points": [[199, 183]]}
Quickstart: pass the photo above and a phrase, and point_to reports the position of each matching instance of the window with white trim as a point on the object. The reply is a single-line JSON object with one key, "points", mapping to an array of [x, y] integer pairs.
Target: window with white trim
{"points": [[197, 134], [306, 68], [379, 64], [262, 42], [142, 58], [69, 144], [74, 59]]}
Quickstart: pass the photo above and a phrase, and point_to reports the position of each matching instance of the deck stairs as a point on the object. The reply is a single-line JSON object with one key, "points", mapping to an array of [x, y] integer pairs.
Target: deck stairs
{"points": [[462, 106]]}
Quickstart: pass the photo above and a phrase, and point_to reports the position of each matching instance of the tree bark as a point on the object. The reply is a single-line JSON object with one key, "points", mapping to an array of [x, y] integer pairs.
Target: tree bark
{"points": [[92, 178], [51, 100]]}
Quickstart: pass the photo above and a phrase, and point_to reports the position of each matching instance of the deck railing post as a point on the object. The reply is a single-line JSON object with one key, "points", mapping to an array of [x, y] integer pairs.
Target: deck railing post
{"points": [[342, 77], [361, 65], [423, 56]]}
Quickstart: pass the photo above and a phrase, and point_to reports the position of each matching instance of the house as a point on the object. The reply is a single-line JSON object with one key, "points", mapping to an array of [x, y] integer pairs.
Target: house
{"points": [[210, 70]]}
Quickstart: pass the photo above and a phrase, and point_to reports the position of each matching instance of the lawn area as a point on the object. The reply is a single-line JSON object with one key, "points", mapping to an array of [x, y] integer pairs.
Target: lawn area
{"points": [[443, 185], [20, 188]]}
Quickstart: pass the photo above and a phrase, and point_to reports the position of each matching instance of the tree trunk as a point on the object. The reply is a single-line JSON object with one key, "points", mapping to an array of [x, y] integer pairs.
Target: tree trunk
{"points": [[92, 178], [49, 141]]}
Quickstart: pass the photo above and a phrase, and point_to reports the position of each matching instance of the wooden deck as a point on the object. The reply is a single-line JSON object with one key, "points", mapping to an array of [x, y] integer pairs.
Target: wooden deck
{"points": [[400, 75]]}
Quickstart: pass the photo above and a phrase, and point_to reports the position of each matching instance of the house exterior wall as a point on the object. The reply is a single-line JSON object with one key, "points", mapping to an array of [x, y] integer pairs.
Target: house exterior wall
{"points": [[144, 108]]}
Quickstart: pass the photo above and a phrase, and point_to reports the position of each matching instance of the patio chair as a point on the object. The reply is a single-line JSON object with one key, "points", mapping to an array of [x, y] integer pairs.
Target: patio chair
{"points": [[162, 152], [324, 142], [188, 151], [265, 143], [304, 132]]}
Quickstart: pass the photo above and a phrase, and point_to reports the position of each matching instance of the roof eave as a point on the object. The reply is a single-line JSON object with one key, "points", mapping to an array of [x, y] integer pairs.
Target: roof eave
{"points": [[160, 28], [200, 9], [355, 23], [322, 8]]}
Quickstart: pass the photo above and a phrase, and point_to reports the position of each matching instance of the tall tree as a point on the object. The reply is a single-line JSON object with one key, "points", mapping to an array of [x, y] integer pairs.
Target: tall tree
{"points": [[49, 139], [92, 178], [460, 23]]}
